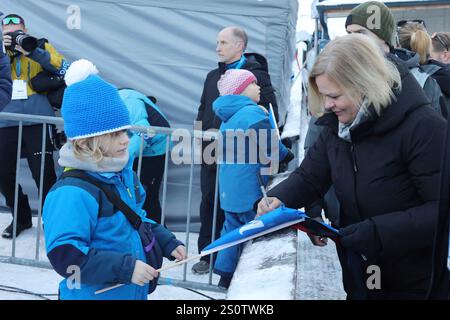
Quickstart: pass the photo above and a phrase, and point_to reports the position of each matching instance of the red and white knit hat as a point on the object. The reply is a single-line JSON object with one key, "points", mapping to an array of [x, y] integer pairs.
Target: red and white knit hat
{"points": [[234, 81]]}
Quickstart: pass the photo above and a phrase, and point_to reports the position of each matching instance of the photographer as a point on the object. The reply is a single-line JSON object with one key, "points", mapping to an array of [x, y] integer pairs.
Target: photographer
{"points": [[28, 57]]}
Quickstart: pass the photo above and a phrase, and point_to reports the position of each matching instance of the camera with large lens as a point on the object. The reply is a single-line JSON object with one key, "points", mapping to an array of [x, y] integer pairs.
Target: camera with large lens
{"points": [[27, 42]]}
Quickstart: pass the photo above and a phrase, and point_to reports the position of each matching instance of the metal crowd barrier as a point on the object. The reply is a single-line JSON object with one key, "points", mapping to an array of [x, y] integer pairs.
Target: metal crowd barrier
{"points": [[45, 121]]}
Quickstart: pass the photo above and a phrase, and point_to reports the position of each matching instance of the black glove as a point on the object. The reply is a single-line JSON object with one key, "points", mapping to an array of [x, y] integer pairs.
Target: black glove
{"points": [[362, 237], [314, 210]]}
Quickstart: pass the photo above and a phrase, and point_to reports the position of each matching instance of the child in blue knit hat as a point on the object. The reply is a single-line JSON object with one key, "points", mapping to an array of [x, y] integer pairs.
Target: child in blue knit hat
{"points": [[89, 241]]}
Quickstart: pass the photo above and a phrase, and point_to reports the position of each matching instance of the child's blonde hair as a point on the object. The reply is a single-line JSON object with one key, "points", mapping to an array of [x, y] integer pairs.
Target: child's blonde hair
{"points": [[93, 147]]}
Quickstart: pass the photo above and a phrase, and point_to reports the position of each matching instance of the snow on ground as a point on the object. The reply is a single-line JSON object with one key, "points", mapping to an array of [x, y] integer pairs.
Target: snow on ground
{"points": [[40, 280]]}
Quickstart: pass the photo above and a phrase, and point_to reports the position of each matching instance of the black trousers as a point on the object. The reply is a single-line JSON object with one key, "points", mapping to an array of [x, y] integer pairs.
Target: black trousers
{"points": [[151, 176], [207, 185], [31, 149]]}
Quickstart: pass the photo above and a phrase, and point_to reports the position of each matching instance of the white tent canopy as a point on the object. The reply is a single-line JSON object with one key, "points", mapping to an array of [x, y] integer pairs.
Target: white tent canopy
{"points": [[165, 49]]}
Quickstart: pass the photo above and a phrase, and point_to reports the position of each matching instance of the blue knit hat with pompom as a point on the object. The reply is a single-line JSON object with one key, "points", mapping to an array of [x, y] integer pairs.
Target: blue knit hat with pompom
{"points": [[91, 106]]}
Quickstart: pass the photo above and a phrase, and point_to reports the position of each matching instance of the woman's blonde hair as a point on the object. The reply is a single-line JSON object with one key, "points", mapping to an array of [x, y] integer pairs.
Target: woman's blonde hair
{"points": [[93, 147], [413, 36], [357, 65]]}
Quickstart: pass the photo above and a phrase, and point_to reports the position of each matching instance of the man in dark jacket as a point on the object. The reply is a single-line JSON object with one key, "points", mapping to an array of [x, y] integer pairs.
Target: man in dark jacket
{"points": [[231, 44], [5, 77]]}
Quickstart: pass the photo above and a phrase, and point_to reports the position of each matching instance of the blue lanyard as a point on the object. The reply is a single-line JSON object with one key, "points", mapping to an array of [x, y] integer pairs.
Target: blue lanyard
{"points": [[241, 62], [18, 68]]}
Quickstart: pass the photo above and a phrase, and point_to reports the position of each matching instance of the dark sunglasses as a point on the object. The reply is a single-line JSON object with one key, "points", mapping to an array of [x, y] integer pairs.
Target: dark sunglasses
{"points": [[13, 20], [401, 23], [438, 37]]}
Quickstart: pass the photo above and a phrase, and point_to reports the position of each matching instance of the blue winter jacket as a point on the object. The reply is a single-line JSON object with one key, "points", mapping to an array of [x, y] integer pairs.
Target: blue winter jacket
{"points": [[82, 229], [239, 186], [135, 102], [5, 80]]}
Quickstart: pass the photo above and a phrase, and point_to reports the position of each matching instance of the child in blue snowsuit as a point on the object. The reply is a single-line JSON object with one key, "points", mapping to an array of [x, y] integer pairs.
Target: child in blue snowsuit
{"points": [[89, 241], [143, 112], [239, 186]]}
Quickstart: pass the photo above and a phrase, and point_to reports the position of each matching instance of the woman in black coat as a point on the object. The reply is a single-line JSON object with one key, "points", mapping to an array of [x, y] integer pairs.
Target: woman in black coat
{"points": [[380, 148]]}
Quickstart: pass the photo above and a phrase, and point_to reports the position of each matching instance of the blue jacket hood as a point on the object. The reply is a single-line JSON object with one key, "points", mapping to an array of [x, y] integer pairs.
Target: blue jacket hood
{"points": [[226, 106], [136, 104]]}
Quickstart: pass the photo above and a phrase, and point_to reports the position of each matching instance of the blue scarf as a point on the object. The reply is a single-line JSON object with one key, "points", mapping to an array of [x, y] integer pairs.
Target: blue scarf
{"points": [[237, 64]]}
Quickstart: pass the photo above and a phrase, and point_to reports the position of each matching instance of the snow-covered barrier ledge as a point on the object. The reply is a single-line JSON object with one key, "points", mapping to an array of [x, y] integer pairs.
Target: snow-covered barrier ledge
{"points": [[267, 268]]}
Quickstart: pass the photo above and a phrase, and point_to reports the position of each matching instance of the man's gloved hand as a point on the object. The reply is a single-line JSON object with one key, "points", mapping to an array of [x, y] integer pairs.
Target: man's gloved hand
{"points": [[362, 237]]}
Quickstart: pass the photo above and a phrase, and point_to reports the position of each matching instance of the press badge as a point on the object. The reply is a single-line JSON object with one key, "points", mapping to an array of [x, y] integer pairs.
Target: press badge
{"points": [[19, 90]]}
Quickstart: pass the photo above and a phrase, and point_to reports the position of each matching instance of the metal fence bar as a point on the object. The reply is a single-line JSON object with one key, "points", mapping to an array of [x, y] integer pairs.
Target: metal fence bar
{"points": [[213, 232], [188, 221], [166, 168], [45, 121], [190, 285], [41, 188], [59, 121], [26, 262], [16, 188], [141, 154]]}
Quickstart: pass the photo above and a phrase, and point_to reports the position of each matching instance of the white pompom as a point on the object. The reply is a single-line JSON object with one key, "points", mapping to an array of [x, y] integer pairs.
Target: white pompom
{"points": [[79, 70]]}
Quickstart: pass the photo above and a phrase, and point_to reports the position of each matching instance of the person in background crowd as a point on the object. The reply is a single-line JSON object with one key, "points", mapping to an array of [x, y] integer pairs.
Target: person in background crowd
{"points": [[413, 36], [24, 66], [440, 50], [144, 112]]}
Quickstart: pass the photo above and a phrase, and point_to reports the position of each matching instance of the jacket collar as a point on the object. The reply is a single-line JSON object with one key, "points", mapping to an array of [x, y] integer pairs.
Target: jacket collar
{"points": [[67, 159]]}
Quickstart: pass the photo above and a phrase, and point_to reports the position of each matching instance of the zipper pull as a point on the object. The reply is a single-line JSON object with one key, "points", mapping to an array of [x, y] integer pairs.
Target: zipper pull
{"points": [[129, 193], [352, 149]]}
